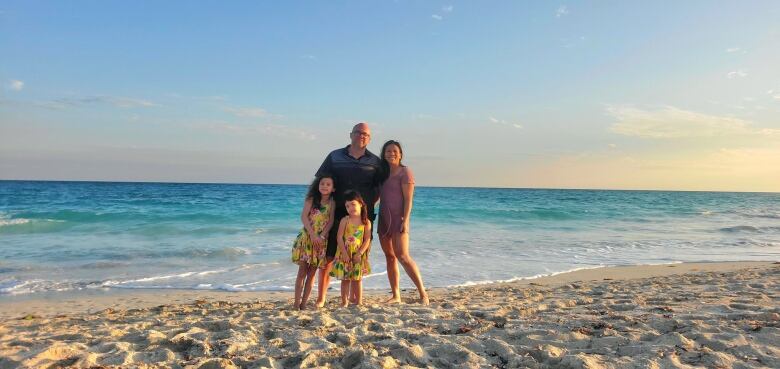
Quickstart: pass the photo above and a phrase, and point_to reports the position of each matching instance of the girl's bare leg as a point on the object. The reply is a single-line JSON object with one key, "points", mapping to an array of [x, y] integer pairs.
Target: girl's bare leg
{"points": [[345, 284], [393, 276], [324, 281], [311, 272], [401, 249], [299, 281], [357, 287]]}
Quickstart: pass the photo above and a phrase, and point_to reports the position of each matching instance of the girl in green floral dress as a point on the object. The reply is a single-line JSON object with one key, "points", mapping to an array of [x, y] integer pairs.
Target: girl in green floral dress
{"points": [[354, 244], [309, 247]]}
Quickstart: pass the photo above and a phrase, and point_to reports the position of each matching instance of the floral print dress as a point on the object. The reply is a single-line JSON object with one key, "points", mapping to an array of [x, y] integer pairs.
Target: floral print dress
{"points": [[303, 249], [353, 241]]}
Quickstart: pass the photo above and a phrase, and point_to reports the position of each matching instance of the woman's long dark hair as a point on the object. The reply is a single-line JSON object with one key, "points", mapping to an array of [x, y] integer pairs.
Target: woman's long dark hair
{"points": [[314, 190], [385, 164], [353, 195]]}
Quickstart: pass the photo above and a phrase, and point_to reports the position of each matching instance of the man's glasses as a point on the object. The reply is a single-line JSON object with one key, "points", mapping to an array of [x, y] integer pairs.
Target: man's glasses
{"points": [[362, 134]]}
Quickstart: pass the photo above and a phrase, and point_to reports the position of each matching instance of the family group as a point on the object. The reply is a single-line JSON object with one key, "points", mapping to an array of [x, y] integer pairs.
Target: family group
{"points": [[338, 217]]}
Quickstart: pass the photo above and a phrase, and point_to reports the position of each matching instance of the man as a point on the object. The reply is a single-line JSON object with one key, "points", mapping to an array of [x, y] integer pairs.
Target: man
{"points": [[353, 168]]}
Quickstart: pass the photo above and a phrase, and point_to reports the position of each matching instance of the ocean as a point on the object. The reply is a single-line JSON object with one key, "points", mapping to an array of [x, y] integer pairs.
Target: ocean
{"points": [[67, 236]]}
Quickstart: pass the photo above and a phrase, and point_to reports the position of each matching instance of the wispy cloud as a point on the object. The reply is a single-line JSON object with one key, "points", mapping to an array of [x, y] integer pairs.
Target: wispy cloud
{"points": [[247, 112], [737, 74], [672, 123], [561, 11], [444, 10], [308, 57], [274, 130], [198, 98], [127, 102], [504, 122], [735, 50], [16, 85], [116, 101]]}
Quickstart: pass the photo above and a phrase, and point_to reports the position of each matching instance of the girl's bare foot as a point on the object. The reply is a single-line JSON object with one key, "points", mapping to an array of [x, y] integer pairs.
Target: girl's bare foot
{"points": [[393, 300], [424, 299], [303, 306], [320, 304], [344, 304]]}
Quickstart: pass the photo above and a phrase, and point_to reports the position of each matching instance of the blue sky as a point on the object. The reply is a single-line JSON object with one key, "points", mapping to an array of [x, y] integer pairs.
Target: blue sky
{"points": [[618, 94]]}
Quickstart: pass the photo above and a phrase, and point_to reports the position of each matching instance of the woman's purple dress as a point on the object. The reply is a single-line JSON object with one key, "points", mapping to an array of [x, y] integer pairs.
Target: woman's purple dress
{"points": [[391, 202]]}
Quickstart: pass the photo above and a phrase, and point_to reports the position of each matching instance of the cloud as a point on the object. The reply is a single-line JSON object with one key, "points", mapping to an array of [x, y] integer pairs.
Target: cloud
{"points": [[16, 85], [198, 98], [447, 8], [561, 11], [672, 123], [776, 97], [117, 101], [308, 57], [274, 130], [733, 50], [247, 112], [505, 123], [437, 17], [127, 102], [737, 73]]}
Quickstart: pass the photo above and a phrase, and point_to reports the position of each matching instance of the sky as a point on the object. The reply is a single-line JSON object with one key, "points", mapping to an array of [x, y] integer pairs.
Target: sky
{"points": [[660, 95]]}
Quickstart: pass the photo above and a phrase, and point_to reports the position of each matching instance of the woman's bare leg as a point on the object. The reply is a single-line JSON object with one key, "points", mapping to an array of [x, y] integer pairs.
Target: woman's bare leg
{"points": [[393, 275], [401, 249]]}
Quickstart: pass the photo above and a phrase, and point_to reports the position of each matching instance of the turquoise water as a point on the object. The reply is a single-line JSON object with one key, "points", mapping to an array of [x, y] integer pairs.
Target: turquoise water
{"points": [[61, 236]]}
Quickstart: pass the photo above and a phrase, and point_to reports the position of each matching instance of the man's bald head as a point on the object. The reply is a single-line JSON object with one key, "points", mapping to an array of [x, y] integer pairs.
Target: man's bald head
{"points": [[360, 135]]}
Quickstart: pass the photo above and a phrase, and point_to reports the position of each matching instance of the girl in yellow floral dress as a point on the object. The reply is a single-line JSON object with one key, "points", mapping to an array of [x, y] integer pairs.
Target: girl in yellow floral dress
{"points": [[354, 244], [309, 247]]}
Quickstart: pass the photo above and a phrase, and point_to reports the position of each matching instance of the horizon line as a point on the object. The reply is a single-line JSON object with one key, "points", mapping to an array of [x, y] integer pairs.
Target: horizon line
{"points": [[304, 184]]}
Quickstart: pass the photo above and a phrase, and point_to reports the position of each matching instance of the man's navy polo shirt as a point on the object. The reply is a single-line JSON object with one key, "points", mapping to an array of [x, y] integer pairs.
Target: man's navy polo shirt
{"points": [[362, 175]]}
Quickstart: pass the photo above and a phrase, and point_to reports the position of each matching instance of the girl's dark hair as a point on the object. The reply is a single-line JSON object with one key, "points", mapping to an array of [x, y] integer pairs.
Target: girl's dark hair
{"points": [[314, 190], [385, 164], [353, 195]]}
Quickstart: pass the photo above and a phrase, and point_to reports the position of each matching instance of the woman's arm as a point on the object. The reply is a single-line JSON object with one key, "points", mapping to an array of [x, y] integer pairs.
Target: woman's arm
{"points": [[407, 189]]}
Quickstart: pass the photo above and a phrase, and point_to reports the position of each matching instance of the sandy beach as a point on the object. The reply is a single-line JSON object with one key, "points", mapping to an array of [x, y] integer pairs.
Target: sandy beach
{"points": [[710, 315]]}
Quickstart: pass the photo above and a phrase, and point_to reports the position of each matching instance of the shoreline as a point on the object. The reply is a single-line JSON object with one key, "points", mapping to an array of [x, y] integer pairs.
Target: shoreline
{"points": [[47, 304]]}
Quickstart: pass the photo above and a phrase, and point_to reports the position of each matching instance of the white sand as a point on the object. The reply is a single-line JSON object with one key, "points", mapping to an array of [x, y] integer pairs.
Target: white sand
{"points": [[714, 315]]}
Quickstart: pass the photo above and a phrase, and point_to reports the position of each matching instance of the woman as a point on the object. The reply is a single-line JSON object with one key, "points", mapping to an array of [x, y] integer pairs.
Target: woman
{"points": [[395, 209]]}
